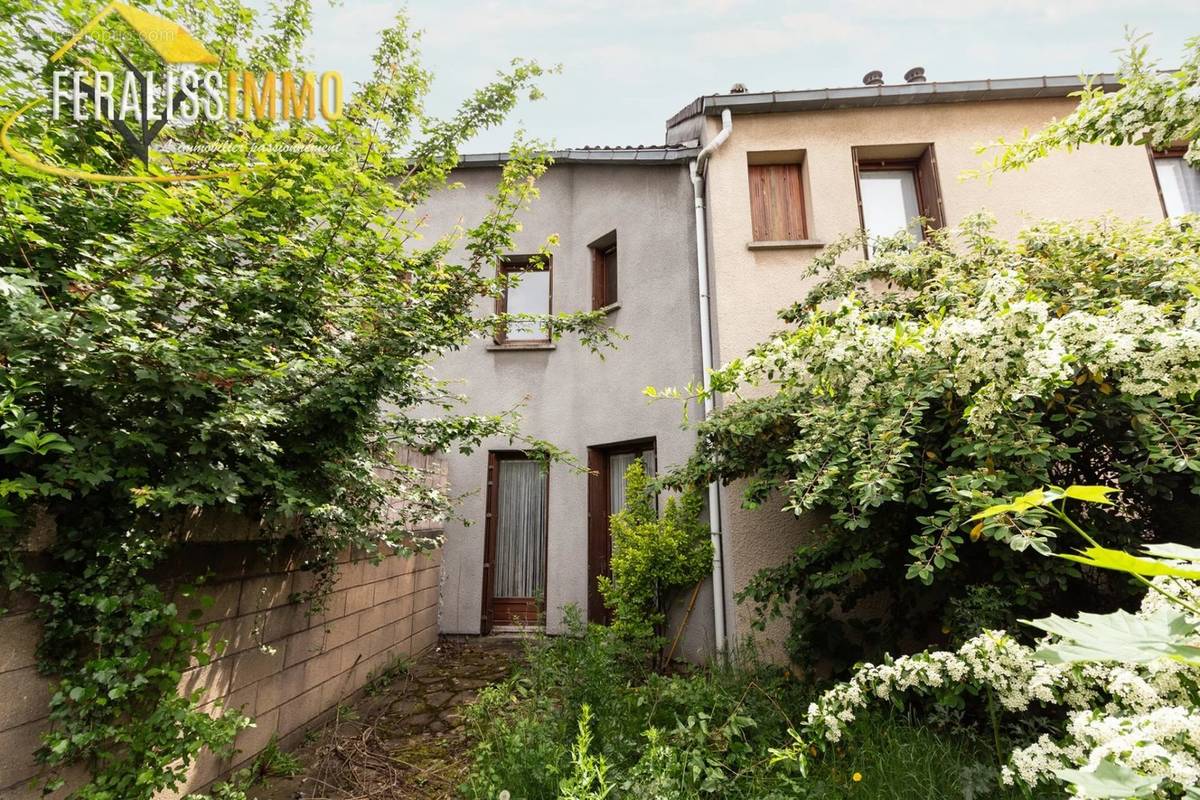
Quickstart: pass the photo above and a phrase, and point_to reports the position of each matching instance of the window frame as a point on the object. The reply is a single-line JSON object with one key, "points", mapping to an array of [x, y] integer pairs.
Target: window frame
{"points": [[529, 609], [599, 532], [605, 295], [924, 168], [1175, 151], [763, 161], [525, 263]]}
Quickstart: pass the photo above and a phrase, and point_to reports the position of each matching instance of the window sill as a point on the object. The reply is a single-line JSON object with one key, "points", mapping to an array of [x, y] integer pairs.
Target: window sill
{"points": [[786, 244], [523, 346], [608, 309]]}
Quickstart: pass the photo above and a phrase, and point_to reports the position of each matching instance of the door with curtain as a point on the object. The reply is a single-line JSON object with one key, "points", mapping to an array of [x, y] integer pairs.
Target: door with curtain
{"points": [[606, 496], [514, 569]]}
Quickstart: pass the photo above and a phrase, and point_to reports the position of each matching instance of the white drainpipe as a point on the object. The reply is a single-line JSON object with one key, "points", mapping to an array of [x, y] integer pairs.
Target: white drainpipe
{"points": [[706, 357]]}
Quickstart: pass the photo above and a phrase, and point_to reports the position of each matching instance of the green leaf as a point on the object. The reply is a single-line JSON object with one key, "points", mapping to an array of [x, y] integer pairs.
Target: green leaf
{"points": [[1109, 781], [1178, 552], [1033, 499], [1090, 494], [1105, 558], [1120, 636]]}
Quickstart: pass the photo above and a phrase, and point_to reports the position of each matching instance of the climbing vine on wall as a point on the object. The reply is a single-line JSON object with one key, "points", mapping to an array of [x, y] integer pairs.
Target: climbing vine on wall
{"points": [[257, 343]]}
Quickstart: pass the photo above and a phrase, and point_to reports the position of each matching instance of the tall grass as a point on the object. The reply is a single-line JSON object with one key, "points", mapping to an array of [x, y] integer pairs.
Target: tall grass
{"points": [[706, 735]]}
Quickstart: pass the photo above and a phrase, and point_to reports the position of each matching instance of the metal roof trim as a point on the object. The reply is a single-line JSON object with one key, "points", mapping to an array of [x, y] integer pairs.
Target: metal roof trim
{"points": [[652, 156], [891, 95]]}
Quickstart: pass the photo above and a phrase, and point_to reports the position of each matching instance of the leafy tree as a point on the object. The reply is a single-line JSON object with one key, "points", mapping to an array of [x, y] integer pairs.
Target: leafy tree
{"points": [[912, 388], [259, 342], [1153, 107]]}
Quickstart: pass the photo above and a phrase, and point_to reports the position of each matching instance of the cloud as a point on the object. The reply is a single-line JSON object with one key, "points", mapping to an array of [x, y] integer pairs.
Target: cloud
{"points": [[628, 64], [790, 32], [916, 11]]}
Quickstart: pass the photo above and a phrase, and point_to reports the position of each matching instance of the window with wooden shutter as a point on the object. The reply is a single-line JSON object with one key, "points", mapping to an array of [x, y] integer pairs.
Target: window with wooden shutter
{"points": [[604, 271], [777, 202], [897, 185]]}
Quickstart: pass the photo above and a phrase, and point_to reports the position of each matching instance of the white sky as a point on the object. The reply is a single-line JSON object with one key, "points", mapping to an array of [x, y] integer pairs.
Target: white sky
{"points": [[630, 64]]}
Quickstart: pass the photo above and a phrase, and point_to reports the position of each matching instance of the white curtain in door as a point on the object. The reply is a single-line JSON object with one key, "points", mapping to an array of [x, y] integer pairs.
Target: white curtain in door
{"points": [[617, 464], [521, 530]]}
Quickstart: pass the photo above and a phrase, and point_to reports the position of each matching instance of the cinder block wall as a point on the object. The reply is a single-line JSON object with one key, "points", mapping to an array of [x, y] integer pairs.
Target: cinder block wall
{"points": [[285, 666]]}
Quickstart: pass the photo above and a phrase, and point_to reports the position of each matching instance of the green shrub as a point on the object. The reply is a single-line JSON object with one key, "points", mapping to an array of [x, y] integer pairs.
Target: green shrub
{"points": [[914, 387], [582, 719], [589, 773], [653, 557]]}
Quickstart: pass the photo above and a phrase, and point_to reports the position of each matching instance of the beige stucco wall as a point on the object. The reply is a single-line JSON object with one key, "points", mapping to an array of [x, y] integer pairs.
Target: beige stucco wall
{"points": [[750, 287]]}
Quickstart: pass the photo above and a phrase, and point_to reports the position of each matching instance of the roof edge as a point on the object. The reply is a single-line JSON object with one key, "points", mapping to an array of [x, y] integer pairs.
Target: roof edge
{"points": [[591, 155], [892, 95]]}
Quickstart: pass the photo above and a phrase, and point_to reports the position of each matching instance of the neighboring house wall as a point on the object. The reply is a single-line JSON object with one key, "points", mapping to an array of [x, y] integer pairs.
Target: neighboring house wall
{"points": [[570, 396], [283, 666], [752, 285]]}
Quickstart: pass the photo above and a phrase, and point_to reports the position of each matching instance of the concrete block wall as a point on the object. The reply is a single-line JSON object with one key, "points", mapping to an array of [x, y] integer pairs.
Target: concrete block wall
{"points": [[284, 666]]}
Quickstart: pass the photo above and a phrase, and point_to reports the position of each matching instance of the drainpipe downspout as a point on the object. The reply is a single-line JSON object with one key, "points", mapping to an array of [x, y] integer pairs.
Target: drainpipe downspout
{"points": [[707, 365]]}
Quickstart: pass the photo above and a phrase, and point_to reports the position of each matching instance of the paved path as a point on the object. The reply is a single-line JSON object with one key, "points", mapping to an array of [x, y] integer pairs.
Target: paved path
{"points": [[405, 738]]}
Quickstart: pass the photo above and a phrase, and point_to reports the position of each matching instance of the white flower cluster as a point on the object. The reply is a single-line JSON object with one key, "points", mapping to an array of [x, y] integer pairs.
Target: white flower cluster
{"points": [[1141, 716], [1160, 743], [1004, 347]]}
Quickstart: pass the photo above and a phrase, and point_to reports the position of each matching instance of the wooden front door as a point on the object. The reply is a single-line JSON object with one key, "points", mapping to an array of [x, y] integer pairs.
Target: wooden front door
{"points": [[606, 496], [514, 564]]}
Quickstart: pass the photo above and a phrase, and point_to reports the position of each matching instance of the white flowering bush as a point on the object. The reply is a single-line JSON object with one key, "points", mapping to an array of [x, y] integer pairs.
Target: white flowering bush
{"points": [[1140, 716], [935, 376], [1128, 683], [914, 387]]}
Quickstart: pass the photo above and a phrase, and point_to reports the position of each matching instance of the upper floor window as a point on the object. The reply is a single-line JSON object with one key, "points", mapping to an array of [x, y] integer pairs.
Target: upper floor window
{"points": [[777, 207], [529, 295], [1178, 183], [898, 185], [604, 271]]}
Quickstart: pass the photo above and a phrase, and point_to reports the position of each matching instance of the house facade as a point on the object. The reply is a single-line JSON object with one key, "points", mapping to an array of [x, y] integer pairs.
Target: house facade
{"points": [[532, 542], [763, 181], [795, 170]]}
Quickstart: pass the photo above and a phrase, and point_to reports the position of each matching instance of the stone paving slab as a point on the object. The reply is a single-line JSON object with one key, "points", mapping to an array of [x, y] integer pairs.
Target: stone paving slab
{"points": [[404, 739]]}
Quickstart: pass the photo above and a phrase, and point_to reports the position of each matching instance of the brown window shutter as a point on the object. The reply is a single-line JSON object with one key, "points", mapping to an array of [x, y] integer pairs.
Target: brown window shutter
{"points": [[610, 275], [598, 533], [930, 190], [604, 276], [776, 202], [598, 281], [486, 615]]}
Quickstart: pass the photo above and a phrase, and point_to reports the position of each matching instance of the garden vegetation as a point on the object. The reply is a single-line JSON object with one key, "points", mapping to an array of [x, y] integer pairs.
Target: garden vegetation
{"points": [[932, 403], [913, 388], [257, 343]]}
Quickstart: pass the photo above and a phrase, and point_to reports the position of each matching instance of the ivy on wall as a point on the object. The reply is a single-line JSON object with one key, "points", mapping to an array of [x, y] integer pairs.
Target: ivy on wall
{"points": [[258, 343]]}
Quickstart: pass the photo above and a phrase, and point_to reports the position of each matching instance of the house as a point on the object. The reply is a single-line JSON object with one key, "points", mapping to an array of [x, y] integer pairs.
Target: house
{"points": [[534, 541], [763, 181], [785, 173]]}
